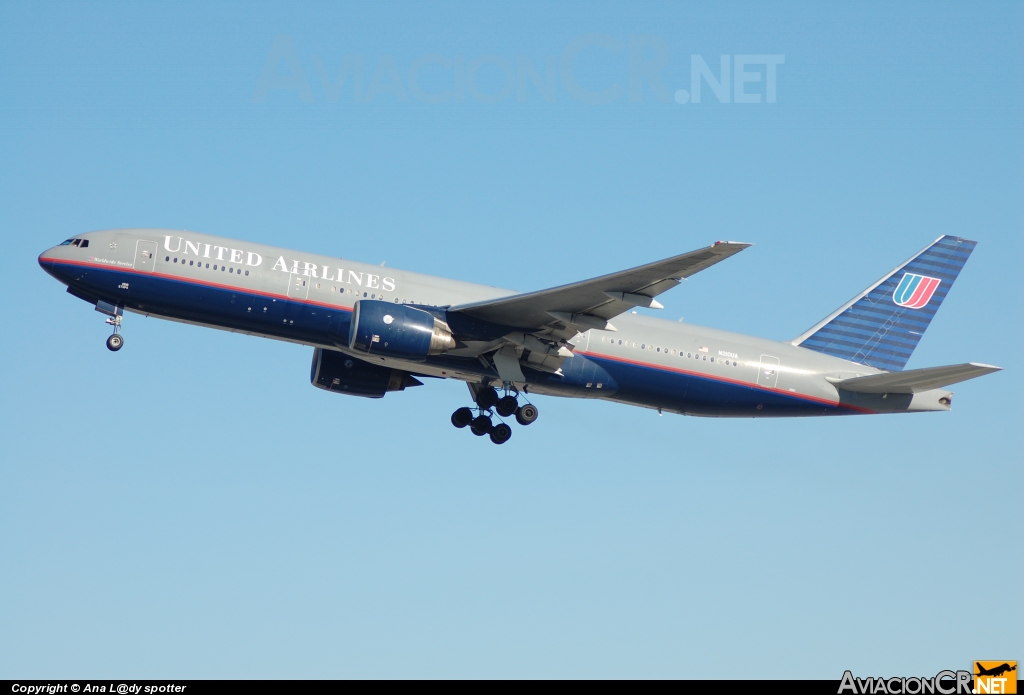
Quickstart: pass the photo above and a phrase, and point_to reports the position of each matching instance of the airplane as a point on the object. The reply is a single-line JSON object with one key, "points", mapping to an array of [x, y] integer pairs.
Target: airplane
{"points": [[375, 330], [995, 671]]}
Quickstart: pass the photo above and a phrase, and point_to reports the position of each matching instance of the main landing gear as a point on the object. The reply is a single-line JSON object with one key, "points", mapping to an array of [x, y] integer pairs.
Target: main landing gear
{"points": [[488, 400]]}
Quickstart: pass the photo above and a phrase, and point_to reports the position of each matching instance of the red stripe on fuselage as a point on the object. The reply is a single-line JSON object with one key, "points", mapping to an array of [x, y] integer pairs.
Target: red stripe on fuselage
{"points": [[727, 380], [193, 281], [273, 295]]}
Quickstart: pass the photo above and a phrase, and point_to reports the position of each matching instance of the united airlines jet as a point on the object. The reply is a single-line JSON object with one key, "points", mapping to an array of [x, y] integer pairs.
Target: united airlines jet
{"points": [[374, 330]]}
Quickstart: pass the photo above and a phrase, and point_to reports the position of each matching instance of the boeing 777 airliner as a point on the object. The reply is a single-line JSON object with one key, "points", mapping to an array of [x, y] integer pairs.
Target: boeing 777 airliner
{"points": [[375, 329]]}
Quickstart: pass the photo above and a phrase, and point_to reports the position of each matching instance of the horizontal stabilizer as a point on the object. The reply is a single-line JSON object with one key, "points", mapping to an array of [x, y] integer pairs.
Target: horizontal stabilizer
{"points": [[916, 380]]}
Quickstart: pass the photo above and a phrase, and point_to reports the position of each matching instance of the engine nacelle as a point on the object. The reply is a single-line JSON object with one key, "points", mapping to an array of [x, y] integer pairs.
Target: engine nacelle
{"points": [[336, 371], [396, 330]]}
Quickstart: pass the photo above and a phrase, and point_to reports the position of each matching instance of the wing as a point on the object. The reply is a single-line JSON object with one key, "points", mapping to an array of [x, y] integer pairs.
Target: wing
{"points": [[566, 310]]}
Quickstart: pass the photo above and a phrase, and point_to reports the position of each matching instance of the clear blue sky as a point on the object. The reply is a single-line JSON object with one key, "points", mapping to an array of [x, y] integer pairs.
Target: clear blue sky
{"points": [[192, 507]]}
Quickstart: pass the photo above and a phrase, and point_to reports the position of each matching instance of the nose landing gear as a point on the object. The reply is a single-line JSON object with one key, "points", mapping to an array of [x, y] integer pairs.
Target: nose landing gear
{"points": [[115, 342], [114, 314], [488, 402]]}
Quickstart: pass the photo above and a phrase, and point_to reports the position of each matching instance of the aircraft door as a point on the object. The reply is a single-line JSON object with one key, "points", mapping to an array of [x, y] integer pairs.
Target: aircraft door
{"points": [[298, 286], [145, 256], [768, 372]]}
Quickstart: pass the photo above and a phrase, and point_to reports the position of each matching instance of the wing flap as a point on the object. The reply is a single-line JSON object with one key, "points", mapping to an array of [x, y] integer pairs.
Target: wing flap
{"points": [[916, 380]]}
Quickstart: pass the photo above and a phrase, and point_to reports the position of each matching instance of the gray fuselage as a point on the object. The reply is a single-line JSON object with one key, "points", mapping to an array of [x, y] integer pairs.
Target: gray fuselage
{"points": [[307, 298]]}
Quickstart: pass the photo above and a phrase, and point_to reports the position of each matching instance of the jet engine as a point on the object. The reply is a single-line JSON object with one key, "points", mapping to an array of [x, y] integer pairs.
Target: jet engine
{"points": [[336, 371], [396, 330]]}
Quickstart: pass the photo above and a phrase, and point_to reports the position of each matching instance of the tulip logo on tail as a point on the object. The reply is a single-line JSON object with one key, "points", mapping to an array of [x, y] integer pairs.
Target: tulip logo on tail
{"points": [[915, 291]]}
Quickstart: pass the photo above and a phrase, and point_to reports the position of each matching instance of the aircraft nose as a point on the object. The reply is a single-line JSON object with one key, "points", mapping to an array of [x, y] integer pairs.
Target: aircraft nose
{"points": [[44, 260]]}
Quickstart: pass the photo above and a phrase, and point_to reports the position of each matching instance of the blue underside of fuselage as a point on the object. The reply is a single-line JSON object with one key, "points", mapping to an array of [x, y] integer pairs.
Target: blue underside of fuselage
{"points": [[276, 316], [655, 387]]}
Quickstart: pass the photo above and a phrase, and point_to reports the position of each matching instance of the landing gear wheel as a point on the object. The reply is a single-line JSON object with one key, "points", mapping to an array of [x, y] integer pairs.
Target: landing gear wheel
{"points": [[527, 414], [115, 342], [501, 433], [481, 425], [486, 397], [506, 406], [462, 417]]}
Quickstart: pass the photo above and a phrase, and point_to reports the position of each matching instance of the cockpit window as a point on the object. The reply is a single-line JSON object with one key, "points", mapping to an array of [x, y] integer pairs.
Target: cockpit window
{"points": [[80, 243], [66, 243], [85, 242]]}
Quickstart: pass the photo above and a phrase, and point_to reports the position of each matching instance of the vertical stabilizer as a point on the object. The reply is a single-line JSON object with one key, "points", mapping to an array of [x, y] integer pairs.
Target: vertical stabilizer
{"points": [[882, 325]]}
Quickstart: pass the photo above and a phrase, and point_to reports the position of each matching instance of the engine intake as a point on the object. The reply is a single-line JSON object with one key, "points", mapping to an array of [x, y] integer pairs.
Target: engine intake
{"points": [[396, 330], [336, 371]]}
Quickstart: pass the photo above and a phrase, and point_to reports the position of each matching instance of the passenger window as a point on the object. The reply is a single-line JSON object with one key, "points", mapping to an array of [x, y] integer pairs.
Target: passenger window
{"points": [[247, 273], [705, 358], [712, 359], [175, 259], [232, 270], [223, 268], [191, 262], [167, 258]]}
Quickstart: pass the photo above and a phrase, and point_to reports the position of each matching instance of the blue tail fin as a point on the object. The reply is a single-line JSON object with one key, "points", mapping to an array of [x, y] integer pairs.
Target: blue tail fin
{"points": [[881, 326]]}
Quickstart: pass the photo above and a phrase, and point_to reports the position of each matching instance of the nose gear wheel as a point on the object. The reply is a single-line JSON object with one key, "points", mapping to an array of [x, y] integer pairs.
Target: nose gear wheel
{"points": [[116, 341]]}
